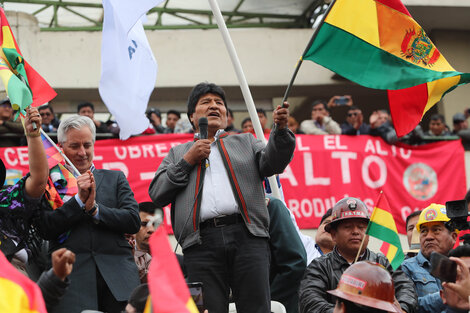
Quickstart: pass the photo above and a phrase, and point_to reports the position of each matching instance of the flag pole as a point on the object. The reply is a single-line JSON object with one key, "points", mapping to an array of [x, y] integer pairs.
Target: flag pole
{"points": [[243, 84], [76, 172], [299, 62], [360, 248]]}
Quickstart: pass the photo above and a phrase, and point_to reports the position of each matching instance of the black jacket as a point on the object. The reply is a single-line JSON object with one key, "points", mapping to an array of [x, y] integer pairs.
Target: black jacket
{"points": [[324, 273]]}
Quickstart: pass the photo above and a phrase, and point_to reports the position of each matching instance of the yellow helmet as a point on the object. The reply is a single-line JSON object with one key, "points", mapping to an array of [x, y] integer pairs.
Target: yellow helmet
{"points": [[433, 213]]}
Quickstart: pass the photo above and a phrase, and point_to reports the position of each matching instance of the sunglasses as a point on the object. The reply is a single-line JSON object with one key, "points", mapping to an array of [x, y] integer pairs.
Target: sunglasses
{"points": [[5, 105], [45, 114], [352, 114]]}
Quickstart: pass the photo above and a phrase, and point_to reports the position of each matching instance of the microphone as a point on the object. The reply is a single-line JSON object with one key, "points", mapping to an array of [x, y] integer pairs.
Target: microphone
{"points": [[203, 128]]}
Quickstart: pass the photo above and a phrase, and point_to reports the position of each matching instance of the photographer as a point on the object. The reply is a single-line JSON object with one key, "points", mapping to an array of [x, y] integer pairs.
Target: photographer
{"points": [[155, 118]]}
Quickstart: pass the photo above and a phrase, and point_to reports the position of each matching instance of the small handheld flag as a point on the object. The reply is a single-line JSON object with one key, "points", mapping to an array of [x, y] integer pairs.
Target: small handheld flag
{"points": [[168, 289], [24, 86], [382, 226]]}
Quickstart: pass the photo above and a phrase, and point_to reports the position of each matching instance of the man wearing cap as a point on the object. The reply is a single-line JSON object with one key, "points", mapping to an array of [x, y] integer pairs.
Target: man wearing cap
{"points": [[348, 230], [366, 284], [434, 236]]}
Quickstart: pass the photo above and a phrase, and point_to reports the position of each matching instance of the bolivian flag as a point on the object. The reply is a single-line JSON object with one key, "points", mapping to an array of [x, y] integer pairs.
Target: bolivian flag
{"points": [[19, 293], [168, 290], [377, 44], [24, 86], [382, 226]]}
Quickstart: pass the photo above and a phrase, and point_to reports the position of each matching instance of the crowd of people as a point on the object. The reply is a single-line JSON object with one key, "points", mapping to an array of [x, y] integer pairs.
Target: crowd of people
{"points": [[320, 123], [86, 244]]}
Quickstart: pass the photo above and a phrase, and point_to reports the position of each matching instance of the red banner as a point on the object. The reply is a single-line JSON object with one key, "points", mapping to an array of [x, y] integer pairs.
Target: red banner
{"points": [[324, 170]]}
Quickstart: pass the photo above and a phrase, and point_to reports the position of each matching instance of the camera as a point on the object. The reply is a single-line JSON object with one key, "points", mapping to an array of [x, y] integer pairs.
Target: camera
{"points": [[457, 211], [443, 268]]}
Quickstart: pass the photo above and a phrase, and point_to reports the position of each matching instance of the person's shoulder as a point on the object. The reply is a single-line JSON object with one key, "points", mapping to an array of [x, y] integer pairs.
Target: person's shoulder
{"points": [[321, 261], [237, 137], [109, 173], [410, 260]]}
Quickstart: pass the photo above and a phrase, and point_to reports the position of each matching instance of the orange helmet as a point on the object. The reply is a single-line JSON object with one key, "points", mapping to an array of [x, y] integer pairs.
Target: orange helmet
{"points": [[347, 208], [368, 284]]}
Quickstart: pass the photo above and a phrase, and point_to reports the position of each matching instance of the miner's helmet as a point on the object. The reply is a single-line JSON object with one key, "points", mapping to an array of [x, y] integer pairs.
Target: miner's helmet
{"points": [[433, 213], [347, 208], [369, 284]]}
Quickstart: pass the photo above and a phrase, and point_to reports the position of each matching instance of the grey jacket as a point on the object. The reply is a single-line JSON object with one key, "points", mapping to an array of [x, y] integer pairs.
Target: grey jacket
{"points": [[247, 161]]}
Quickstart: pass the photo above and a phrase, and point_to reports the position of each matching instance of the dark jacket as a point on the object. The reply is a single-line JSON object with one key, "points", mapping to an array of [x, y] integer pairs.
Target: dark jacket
{"points": [[288, 256], [98, 244], [348, 129], [325, 272], [52, 288]]}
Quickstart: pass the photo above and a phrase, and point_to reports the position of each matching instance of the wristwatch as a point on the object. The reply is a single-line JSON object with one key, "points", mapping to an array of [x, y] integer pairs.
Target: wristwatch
{"points": [[92, 210]]}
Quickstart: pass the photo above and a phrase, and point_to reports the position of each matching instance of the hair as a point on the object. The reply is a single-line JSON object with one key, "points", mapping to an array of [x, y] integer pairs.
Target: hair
{"points": [[147, 207], [437, 117], [326, 215], [353, 108], [138, 297], [174, 112], [246, 119], [261, 111], [229, 112], [198, 91], [76, 122], [317, 102], [46, 106], [84, 105], [412, 214]]}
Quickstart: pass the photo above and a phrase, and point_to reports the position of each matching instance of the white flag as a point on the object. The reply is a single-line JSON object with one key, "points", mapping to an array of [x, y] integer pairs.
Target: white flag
{"points": [[128, 67]]}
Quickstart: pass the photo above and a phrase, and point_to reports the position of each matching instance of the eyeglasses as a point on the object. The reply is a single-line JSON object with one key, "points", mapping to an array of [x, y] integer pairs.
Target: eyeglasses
{"points": [[352, 114], [45, 114]]}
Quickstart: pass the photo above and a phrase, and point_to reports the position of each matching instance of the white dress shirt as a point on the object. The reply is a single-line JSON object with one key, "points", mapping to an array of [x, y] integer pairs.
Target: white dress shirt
{"points": [[217, 195]]}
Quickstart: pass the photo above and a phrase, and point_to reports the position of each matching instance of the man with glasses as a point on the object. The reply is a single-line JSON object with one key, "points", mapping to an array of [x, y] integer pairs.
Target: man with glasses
{"points": [[49, 122], [434, 236], [354, 124]]}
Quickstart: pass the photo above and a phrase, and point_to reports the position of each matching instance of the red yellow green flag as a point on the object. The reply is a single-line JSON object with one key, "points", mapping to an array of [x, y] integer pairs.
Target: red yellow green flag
{"points": [[377, 44], [168, 289], [382, 226], [19, 293], [24, 86]]}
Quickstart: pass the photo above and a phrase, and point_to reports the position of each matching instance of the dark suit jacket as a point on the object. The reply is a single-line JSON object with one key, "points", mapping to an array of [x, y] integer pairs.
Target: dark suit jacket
{"points": [[97, 244]]}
